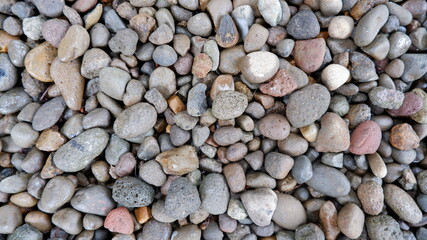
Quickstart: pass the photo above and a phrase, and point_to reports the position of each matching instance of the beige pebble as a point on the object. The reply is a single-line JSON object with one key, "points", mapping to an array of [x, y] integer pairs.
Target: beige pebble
{"points": [[377, 165]]}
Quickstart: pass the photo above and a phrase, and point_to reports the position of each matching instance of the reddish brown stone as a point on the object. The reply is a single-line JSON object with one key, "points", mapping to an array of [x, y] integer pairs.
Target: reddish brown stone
{"points": [[360, 8], [403, 137], [202, 65], [309, 54], [366, 138], [126, 165], [411, 104], [280, 84], [119, 220]]}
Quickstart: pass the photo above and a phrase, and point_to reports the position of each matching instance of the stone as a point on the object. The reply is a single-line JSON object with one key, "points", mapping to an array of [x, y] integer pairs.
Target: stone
{"points": [[202, 65], [366, 138], [371, 196], [334, 76], [179, 161], [38, 61], [303, 25], [119, 220], [333, 135], [235, 177], [13, 101], [276, 122], [11, 218], [414, 69], [162, 35], [403, 137], [307, 105], [48, 114], [369, 25], [135, 120], [289, 213], [94, 60], [163, 79], [329, 181], [309, 231], [113, 81], [402, 204], [95, 199], [218, 8], [351, 220], [412, 103], [399, 44], [309, 54], [281, 84], [57, 192], [132, 192], [200, 25], [143, 24], [214, 194], [9, 74], [227, 34], [420, 116], [256, 37], [39, 220], [80, 151], [341, 27], [165, 55], [157, 230], [74, 44], [54, 31], [229, 104], [386, 98], [260, 205], [258, 67], [124, 42], [66, 75], [23, 135], [182, 199], [379, 48], [271, 11], [383, 227], [230, 59], [32, 27]]}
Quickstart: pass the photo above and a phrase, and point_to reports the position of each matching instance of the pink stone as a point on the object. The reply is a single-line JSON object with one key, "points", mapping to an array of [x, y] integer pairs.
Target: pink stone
{"points": [[411, 104], [119, 220], [366, 138], [309, 54], [280, 84]]}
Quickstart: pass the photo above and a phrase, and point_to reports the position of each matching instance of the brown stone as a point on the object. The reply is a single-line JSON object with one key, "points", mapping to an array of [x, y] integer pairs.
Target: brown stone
{"points": [[5, 39], [274, 126], [38, 61], [221, 83], [202, 65], [329, 220], [179, 161], [50, 140], [281, 84], [360, 8], [266, 101], [49, 169], [366, 138], [74, 44], [235, 176], [309, 54], [371, 196], [333, 135], [175, 104], [39, 220], [351, 220], [143, 24], [403, 137], [227, 34], [142, 214], [23, 199]]}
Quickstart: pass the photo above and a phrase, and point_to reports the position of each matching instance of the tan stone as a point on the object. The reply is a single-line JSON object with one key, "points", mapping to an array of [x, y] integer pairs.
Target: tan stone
{"points": [[38, 60], [142, 214], [23, 199], [39, 220], [175, 104], [50, 140], [179, 161], [49, 169], [5, 39], [74, 44], [221, 83], [377, 165], [329, 220]]}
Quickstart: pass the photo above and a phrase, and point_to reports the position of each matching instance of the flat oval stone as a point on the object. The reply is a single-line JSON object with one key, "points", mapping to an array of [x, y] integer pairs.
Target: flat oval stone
{"points": [[290, 213], [309, 54], [38, 60], [70, 82], [402, 204], [95, 199], [274, 126], [80, 151], [56, 193], [13, 101], [329, 181], [307, 105], [383, 227], [48, 114], [369, 25], [229, 104], [366, 138], [74, 44], [135, 120], [258, 67], [414, 66]]}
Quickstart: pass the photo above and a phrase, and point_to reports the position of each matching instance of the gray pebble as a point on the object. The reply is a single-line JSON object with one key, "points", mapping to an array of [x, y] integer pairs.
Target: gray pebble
{"points": [[99, 35], [154, 97], [225, 136], [196, 102], [303, 25], [24, 232], [414, 66], [13, 101], [363, 68], [182, 199], [333, 159], [132, 192], [185, 120], [152, 173], [50, 8], [309, 231], [124, 42], [148, 149], [95, 199], [8, 72], [164, 55], [214, 194], [112, 21], [155, 230], [17, 50], [178, 136], [58, 191], [23, 10], [399, 44], [229, 104], [98, 117], [369, 25], [329, 181], [302, 170]]}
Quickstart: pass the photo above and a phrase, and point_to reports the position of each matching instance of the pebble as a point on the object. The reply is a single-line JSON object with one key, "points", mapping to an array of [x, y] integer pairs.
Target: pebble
{"points": [[162, 35], [371, 196], [414, 69], [99, 36], [230, 58], [23, 135], [383, 227], [218, 8], [9, 75], [333, 135], [369, 25], [200, 25], [66, 75], [132, 192], [165, 55], [243, 17], [113, 81], [164, 80], [50, 8], [303, 25], [182, 199], [57, 192], [119, 220], [379, 48], [235, 176], [281, 84], [277, 122], [179, 161], [256, 37], [329, 181], [225, 136], [143, 24], [386, 98], [95, 199], [135, 120], [309, 231], [74, 44], [17, 51], [258, 67], [328, 220], [229, 104], [420, 116], [351, 220], [289, 213], [395, 68], [403, 137], [366, 138], [124, 42], [307, 105], [54, 31], [80, 151], [33, 26], [94, 60], [39, 220], [152, 173], [334, 76], [399, 44], [11, 218], [202, 65], [38, 61], [309, 54], [157, 230], [260, 205], [271, 11], [402, 204]]}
